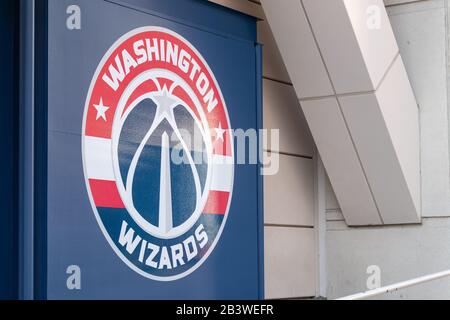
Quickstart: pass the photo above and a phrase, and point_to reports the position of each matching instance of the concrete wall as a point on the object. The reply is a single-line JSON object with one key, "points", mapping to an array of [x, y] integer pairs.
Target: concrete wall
{"points": [[405, 252]]}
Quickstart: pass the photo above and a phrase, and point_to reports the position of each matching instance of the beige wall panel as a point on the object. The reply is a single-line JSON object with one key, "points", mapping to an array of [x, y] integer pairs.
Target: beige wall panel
{"points": [[289, 195], [282, 112], [273, 65], [290, 269]]}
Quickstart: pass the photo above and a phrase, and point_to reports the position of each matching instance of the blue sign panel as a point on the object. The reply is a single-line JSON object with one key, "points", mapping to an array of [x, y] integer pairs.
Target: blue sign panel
{"points": [[8, 160], [145, 199]]}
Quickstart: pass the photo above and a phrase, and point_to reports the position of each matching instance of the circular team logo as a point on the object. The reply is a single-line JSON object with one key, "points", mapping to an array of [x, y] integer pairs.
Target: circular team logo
{"points": [[158, 153]]}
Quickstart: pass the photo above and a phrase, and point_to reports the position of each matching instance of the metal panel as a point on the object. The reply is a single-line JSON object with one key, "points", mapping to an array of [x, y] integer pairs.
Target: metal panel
{"points": [[8, 161], [300, 53], [357, 54], [385, 128], [341, 161], [199, 14], [234, 268], [261, 209]]}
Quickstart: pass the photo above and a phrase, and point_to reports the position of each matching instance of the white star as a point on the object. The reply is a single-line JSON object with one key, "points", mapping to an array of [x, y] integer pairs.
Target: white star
{"points": [[101, 110], [220, 132], [165, 104]]}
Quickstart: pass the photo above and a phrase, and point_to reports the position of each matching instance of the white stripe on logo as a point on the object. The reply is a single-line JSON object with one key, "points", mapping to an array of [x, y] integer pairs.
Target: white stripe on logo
{"points": [[222, 173], [98, 153], [99, 164]]}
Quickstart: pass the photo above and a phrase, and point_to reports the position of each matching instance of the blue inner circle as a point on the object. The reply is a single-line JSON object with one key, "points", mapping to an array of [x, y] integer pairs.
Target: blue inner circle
{"points": [[146, 180]]}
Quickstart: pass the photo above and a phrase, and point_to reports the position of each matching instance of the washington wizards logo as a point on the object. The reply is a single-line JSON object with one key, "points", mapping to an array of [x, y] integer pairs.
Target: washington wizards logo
{"points": [[158, 153]]}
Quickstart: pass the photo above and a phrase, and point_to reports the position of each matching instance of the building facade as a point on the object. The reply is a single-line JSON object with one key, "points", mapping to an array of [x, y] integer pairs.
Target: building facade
{"points": [[355, 92], [340, 259]]}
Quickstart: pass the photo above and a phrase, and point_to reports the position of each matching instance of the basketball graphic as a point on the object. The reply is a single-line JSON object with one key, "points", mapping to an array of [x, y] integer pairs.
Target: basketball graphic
{"points": [[158, 153]]}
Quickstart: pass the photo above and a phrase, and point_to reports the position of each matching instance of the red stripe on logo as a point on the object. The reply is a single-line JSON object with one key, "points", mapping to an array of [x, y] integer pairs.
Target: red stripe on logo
{"points": [[217, 202], [105, 194]]}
